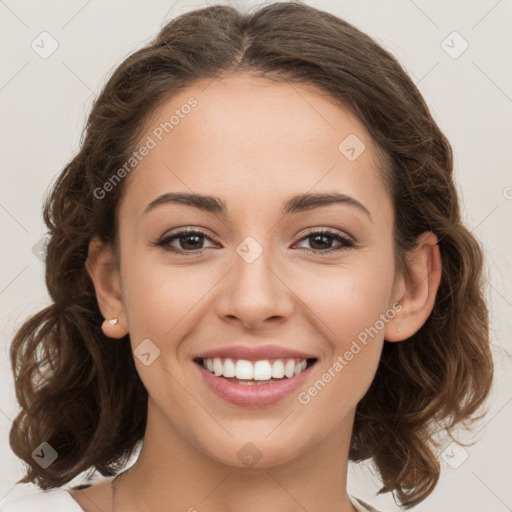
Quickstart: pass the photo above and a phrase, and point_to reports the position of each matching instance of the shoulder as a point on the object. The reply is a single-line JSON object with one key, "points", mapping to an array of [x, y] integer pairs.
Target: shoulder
{"points": [[54, 500], [360, 505]]}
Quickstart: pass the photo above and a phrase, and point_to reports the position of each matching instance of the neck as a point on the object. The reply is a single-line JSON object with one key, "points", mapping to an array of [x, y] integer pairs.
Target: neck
{"points": [[170, 472]]}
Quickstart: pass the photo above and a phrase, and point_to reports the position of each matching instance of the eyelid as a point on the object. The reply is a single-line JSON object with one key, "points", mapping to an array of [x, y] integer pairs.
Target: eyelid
{"points": [[346, 241], [312, 230], [330, 231], [189, 229], [177, 233]]}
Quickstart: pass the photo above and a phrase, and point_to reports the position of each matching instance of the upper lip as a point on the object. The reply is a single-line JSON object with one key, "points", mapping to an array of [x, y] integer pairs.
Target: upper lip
{"points": [[252, 353]]}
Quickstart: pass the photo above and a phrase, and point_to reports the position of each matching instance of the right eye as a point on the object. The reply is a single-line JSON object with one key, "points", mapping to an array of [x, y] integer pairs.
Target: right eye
{"points": [[189, 239]]}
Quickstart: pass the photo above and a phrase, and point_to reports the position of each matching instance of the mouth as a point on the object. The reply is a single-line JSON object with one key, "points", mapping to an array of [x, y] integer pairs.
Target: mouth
{"points": [[265, 371], [254, 383]]}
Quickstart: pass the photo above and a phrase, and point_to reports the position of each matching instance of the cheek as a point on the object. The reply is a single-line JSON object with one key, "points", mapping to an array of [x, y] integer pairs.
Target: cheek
{"points": [[351, 308], [355, 340], [347, 299], [158, 296]]}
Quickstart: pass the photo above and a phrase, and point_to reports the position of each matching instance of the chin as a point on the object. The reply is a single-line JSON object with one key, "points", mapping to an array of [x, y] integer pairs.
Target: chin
{"points": [[258, 451]]}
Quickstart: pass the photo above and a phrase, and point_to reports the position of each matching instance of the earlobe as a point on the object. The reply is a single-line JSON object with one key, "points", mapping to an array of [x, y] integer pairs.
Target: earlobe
{"points": [[114, 329], [418, 290], [103, 269]]}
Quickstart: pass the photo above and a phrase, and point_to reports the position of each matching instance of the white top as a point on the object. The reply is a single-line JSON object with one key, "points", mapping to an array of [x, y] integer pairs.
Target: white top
{"points": [[60, 500]]}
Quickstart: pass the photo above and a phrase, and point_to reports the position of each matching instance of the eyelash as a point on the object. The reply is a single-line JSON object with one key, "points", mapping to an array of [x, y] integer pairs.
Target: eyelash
{"points": [[164, 242]]}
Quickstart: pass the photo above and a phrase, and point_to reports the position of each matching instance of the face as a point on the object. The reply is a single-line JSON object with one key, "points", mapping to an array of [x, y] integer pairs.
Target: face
{"points": [[259, 276]]}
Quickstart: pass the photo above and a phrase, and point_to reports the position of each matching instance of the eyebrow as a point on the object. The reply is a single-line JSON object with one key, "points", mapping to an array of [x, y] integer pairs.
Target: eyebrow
{"points": [[295, 204]]}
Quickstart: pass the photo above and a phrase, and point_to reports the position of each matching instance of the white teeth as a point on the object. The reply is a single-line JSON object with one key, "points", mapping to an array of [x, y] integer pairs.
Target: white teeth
{"points": [[300, 367], [278, 369], [255, 382], [289, 368], [263, 371], [243, 369], [229, 368], [217, 367]]}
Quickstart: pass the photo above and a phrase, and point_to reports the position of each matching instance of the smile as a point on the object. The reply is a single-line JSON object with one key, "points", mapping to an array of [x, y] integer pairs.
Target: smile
{"points": [[253, 383], [263, 370]]}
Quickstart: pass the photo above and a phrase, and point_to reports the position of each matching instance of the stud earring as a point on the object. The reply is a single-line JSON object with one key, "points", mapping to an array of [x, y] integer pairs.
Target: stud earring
{"points": [[113, 321], [398, 330]]}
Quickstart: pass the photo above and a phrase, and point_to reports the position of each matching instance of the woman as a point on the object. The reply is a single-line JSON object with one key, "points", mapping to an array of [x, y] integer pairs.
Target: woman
{"points": [[258, 272]]}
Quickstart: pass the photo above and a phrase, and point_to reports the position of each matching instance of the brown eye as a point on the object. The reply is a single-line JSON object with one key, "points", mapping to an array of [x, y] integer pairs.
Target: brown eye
{"points": [[322, 241], [189, 241]]}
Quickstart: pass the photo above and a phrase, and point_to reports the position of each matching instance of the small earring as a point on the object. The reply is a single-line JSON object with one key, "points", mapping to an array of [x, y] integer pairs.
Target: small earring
{"points": [[113, 321], [398, 330]]}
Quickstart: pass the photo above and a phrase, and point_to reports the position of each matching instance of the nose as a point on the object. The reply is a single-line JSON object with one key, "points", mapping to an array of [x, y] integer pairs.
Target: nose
{"points": [[255, 293]]}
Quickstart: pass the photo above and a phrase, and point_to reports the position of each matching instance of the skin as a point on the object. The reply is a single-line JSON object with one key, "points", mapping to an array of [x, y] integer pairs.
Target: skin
{"points": [[253, 143]]}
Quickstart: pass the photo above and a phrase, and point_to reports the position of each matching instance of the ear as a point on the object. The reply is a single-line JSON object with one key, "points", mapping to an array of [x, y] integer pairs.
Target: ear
{"points": [[416, 290], [103, 268]]}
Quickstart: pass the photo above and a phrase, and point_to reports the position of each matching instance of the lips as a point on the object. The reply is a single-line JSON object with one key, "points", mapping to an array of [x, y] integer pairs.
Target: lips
{"points": [[253, 395], [251, 353], [227, 373]]}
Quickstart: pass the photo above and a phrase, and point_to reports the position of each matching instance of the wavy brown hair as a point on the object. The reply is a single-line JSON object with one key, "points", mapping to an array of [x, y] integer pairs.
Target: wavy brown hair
{"points": [[81, 393]]}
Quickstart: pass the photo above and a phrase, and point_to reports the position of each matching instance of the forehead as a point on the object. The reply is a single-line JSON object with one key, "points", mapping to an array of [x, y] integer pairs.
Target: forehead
{"points": [[249, 139]]}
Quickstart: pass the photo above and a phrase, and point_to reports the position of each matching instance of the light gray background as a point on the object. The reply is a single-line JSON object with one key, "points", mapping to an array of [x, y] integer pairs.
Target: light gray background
{"points": [[44, 103]]}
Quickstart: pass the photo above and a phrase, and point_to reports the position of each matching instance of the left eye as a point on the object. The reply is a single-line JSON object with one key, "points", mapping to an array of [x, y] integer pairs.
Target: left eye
{"points": [[190, 241], [321, 238]]}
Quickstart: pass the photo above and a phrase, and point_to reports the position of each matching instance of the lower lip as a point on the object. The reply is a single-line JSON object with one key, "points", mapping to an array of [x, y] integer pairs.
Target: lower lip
{"points": [[252, 395]]}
